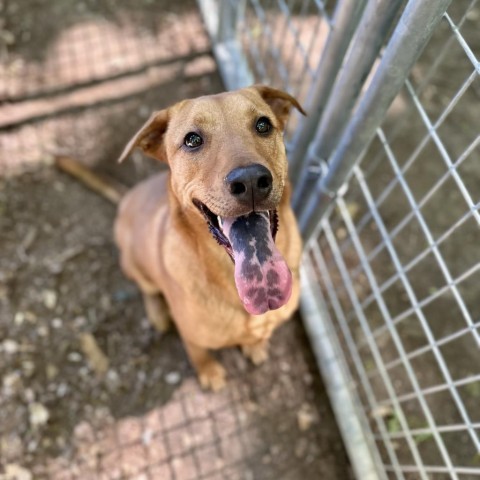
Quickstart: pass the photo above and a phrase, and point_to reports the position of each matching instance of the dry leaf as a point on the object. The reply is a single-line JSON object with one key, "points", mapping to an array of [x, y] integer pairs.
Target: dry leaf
{"points": [[96, 358]]}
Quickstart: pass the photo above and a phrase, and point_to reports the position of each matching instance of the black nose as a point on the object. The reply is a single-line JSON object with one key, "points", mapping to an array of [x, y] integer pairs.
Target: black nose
{"points": [[253, 182]]}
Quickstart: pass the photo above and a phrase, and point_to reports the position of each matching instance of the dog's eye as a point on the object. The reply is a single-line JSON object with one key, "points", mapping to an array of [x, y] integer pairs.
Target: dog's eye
{"points": [[263, 125], [192, 140]]}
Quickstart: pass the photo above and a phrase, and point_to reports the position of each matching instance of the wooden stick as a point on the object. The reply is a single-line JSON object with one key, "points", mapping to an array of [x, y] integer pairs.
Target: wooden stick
{"points": [[107, 187]]}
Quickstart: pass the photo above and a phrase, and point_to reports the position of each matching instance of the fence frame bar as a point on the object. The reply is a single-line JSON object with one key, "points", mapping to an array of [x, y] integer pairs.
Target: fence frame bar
{"points": [[221, 19], [340, 386], [370, 35], [411, 35], [345, 20]]}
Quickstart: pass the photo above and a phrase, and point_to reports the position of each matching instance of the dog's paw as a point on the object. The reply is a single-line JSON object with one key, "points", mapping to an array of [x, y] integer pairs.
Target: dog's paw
{"points": [[257, 353], [212, 376]]}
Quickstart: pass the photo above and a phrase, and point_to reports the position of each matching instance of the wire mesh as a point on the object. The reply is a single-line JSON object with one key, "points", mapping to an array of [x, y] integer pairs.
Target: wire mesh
{"points": [[395, 261]]}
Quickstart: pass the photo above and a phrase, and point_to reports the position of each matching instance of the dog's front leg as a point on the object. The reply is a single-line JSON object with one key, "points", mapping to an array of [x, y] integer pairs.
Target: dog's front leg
{"points": [[210, 373], [157, 311]]}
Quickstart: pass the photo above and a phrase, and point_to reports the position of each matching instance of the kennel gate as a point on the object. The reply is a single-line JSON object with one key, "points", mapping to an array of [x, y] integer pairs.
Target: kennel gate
{"points": [[387, 174]]}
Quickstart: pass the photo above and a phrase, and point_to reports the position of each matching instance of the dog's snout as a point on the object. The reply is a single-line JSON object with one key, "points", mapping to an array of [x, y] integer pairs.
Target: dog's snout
{"points": [[253, 182]]}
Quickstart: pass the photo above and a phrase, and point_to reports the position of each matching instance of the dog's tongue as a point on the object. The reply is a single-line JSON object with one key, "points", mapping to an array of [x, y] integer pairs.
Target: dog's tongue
{"points": [[262, 277]]}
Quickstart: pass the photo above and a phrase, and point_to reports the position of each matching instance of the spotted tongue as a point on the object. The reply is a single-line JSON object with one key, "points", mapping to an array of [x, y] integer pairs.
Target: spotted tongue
{"points": [[262, 277]]}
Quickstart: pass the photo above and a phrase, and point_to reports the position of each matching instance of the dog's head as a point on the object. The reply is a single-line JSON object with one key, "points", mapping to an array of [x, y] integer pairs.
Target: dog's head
{"points": [[227, 160]]}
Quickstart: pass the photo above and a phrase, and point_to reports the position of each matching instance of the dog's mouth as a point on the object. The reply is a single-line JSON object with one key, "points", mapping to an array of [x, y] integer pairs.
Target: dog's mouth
{"points": [[262, 277], [215, 225]]}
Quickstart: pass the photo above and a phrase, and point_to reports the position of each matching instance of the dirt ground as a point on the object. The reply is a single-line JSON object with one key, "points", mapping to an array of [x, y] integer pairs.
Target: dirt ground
{"points": [[88, 389]]}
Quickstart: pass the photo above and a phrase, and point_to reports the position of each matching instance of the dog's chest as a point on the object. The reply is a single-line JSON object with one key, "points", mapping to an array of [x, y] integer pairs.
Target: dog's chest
{"points": [[216, 319], [259, 328]]}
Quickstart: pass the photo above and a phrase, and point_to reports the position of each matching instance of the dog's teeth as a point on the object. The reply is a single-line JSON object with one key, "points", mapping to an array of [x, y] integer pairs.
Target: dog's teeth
{"points": [[220, 221]]}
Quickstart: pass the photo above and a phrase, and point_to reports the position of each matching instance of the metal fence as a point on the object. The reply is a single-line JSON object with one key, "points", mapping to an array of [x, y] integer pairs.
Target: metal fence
{"points": [[387, 173]]}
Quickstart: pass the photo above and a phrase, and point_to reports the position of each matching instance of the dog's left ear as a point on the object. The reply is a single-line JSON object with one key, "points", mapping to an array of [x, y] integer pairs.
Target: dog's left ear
{"points": [[279, 101], [150, 137]]}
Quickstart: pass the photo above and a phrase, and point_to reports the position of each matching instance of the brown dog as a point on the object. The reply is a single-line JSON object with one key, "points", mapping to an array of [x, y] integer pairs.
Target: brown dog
{"points": [[228, 175]]}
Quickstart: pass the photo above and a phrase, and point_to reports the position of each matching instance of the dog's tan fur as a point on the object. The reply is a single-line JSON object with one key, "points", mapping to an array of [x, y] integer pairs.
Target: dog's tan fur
{"points": [[164, 240]]}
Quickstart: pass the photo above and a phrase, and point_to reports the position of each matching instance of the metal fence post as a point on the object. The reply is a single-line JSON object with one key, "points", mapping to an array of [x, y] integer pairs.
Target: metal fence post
{"points": [[412, 33], [341, 388], [222, 19], [374, 26], [345, 21]]}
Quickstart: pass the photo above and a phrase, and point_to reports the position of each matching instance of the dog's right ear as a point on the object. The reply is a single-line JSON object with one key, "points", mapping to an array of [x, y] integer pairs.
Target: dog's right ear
{"points": [[279, 101], [150, 137]]}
